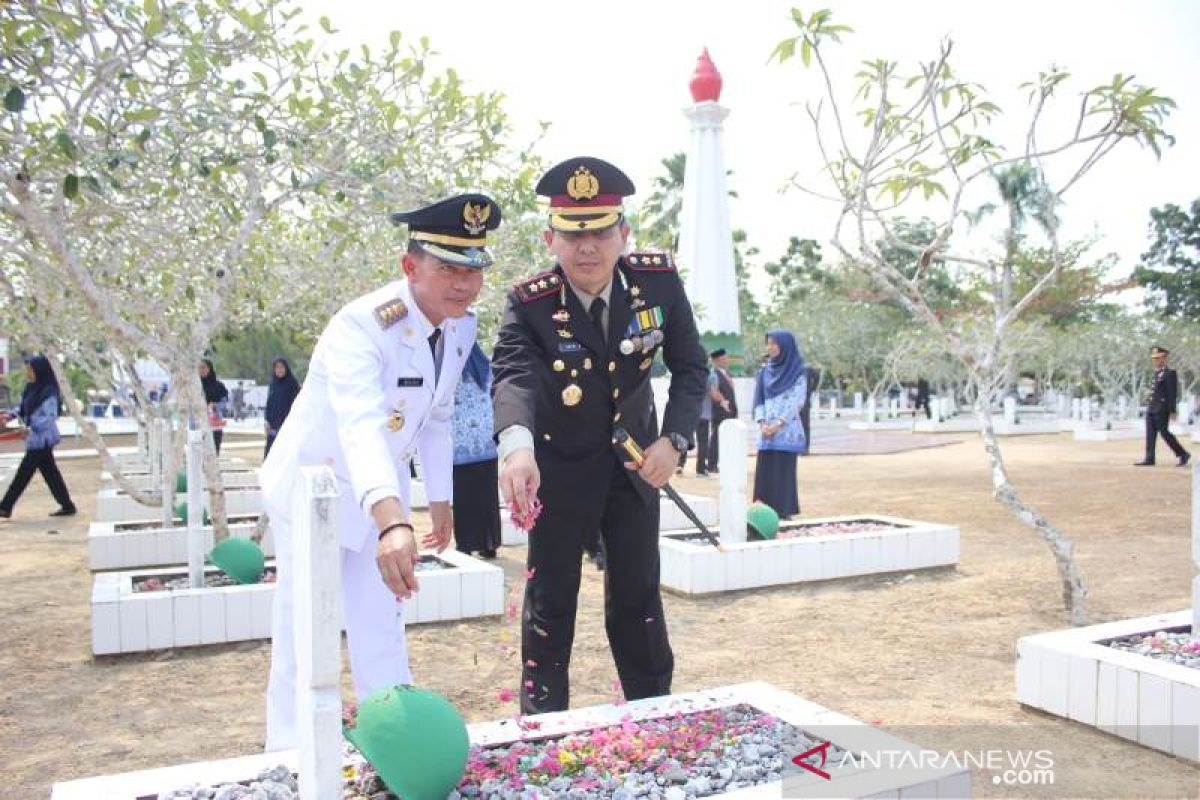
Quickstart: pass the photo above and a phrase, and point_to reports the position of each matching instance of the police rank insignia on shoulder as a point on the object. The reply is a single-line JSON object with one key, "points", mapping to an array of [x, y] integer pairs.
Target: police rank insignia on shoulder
{"points": [[650, 262], [539, 285], [390, 313]]}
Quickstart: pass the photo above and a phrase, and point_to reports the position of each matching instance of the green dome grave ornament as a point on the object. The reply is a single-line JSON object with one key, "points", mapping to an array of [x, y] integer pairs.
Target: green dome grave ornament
{"points": [[414, 738], [240, 559], [762, 520]]}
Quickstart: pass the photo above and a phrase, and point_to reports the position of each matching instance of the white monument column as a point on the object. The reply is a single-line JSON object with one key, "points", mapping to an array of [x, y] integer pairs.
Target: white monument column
{"points": [[705, 253]]}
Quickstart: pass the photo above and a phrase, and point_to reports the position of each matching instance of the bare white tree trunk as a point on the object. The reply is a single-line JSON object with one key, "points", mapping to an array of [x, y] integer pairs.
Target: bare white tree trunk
{"points": [[1061, 546]]}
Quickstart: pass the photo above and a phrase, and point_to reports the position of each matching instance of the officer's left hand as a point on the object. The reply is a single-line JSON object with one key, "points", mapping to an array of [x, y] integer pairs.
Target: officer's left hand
{"points": [[443, 525], [659, 463]]}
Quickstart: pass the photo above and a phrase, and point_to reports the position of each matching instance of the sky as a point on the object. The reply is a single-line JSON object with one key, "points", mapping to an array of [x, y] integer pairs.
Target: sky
{"points": [[612, 80]]}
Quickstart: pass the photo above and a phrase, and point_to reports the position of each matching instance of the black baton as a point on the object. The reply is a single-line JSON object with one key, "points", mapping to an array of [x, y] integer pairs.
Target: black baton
{"points": [[622, 439]]}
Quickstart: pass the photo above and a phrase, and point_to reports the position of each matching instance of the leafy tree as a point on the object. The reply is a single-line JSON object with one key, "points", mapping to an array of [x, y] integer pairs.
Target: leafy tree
{"points": [[659, 216], [925, 139], [171, 172], [1171, 267]]}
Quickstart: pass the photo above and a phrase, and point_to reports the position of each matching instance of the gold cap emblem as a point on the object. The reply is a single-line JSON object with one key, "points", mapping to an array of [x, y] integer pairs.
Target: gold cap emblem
{"points": [[475, 216], [583, 184]]}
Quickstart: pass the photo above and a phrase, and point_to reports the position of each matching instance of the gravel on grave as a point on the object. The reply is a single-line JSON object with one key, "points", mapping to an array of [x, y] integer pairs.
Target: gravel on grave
{"points": [[1174, 647], [677, 757], [212, 580], [803, 530]]}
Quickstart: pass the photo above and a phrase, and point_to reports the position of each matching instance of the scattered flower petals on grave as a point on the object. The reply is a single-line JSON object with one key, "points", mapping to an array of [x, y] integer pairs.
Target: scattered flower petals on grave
{"points": [[504, 695], [1174, 647]]}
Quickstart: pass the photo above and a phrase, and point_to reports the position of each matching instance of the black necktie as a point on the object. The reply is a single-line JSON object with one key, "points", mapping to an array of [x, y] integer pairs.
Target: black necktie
{"points": [[597, 313], [433, 349]]}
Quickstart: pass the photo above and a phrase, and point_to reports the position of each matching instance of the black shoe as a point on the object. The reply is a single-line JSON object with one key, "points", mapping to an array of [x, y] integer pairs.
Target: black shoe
{"points": [[487, 554], [1184, 459], [63, 512], [700, 474], [1143, 463], [597, 559], [5, 514]]}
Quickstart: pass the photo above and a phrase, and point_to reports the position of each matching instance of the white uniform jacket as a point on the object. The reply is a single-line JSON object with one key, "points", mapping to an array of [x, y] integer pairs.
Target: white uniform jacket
{"points": [[368, 404]]}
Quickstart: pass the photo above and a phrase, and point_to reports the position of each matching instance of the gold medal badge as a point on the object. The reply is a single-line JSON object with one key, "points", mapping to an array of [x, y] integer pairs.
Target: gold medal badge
{"points": [[572, 395], [395, 421]]}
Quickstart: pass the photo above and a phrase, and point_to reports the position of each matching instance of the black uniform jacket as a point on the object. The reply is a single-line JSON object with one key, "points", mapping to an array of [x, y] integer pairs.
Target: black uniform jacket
{"points": [[1165, 395], [555, 375]]}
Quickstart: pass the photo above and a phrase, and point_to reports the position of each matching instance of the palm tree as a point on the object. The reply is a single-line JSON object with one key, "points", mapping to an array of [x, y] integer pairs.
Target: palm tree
{"points": [[661, 212]]}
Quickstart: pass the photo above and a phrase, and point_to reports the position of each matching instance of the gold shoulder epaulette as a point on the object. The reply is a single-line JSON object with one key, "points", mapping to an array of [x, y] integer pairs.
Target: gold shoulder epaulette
{"points": [[390, 313], [539, 285], [650, 262]]}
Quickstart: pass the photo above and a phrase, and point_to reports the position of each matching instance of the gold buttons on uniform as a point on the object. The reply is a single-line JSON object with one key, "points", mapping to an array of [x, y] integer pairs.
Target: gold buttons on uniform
{"points": [[587, 363], [574, 373], [546, 436], [617, 417], [572, 395], [612, 366], [616, 393], [558, 365]]}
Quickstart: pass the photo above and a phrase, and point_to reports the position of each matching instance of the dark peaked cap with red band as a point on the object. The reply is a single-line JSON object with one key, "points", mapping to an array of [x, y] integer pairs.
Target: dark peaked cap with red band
{"points": [[586, 194], [454, 230]]}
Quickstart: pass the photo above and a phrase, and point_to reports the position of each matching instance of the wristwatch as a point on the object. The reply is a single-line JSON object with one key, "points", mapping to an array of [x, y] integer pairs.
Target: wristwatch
{"points": [[678, 441]]}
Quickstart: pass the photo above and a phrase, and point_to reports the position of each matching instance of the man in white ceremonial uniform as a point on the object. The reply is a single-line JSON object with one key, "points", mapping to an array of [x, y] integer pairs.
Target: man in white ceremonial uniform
{"points": [[379, 390]]}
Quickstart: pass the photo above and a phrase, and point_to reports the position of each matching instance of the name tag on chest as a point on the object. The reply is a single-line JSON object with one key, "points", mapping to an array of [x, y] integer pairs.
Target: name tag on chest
{"points": [[405, 383]]}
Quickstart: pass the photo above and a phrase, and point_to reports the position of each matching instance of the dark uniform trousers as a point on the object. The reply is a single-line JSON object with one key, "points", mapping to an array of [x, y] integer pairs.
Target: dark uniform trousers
{"points": [[558, 376], [633, 613]]}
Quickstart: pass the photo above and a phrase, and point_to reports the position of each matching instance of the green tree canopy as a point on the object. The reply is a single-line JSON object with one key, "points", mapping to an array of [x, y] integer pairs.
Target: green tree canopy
{"points": [[1171, 267]]}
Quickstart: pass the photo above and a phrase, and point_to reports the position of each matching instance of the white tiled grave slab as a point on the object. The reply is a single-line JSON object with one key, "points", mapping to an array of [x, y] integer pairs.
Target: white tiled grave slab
{"points": [[846, 781], [670, 518], [1119, 432], [124, 545], [112, 505], [124, 621], [904, 424], [1069, 674], [696, 567], [231, 478]]}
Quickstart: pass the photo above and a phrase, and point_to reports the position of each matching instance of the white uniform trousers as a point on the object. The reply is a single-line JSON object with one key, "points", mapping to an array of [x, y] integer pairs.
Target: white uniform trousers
{"points": [[374, 625]]}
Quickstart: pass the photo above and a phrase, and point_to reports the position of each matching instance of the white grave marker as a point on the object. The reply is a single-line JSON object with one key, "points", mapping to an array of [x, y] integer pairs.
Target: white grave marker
{"points": [[1010, 411], [195, 511], [318, 635], [732, 439]]}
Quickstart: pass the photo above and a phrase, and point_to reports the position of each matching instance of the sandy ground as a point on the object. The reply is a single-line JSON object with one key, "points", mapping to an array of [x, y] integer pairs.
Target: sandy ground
{"points": [[937, 649]]}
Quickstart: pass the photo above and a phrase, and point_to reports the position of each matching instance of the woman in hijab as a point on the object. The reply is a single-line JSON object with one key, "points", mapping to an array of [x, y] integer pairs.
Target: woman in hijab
{"points": [[780, 392], [39, 411], [215, 394], [476, 504], [280, 396]]}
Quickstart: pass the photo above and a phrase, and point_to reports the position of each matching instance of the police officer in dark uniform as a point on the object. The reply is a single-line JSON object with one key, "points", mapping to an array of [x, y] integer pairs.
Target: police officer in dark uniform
{"points": [[572, 363], [1161, 408]]}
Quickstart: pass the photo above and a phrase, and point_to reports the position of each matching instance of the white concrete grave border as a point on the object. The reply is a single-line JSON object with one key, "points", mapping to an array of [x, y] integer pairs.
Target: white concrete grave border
{"points": [[124, 621], [698, 568], [112, 505], [111, 545], [844, 731], [1069, 674]]}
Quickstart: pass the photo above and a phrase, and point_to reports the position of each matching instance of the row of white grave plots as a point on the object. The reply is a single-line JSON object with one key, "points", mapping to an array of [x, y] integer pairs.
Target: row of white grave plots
{"points": [[232, 477], [128, 621], [114, 505], [1074, 674], [146, 543], [690, 565], [671, 518], [848, 777], [1119, 431]]}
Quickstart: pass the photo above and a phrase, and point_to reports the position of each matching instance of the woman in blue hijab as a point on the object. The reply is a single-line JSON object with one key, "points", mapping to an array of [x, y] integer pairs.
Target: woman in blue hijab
{"points": [[280, 396], [476, 502], [39, 411], [780, 393]]}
